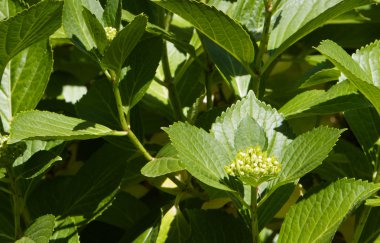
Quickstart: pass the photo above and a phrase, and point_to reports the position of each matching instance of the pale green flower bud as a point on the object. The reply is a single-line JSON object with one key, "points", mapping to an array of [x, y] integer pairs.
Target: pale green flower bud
{"points": [[110, 33], [254, 166]]}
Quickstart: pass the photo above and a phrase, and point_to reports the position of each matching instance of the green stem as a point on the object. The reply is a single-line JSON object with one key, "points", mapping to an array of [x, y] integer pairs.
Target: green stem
{"points": [[123, 121], [208, 91], [168, 79], [17, 202], [139, 146], [178, 199], [159, 81], [275, 5], [178, 183], [240, 199], [258, 63], [192, 190], [122, 116], [268, 194], [169, 83], [175, 102], [255, 78], [194, 110], [254, 220], [6, 191], [166, 64], [26, 216], [362, 221], [365, 214]]}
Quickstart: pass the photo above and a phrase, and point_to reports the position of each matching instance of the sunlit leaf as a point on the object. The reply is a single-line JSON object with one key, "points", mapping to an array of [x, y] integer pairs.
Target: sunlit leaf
{"points": [[355, 74], [295, 19], [317, 218], [28, 27], [45, 125], [215, 25]]}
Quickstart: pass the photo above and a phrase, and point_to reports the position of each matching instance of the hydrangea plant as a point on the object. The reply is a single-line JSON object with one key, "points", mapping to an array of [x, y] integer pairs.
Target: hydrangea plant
{"points": [[189, 121]]}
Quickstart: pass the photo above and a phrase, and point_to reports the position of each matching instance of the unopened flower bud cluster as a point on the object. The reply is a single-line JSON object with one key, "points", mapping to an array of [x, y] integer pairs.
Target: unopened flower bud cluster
{"points": [[110, 33], [253, 162]]}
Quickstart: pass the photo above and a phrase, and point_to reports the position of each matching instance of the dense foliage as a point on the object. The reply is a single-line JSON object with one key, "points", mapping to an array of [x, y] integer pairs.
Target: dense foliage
{"points": [[189, 121]]}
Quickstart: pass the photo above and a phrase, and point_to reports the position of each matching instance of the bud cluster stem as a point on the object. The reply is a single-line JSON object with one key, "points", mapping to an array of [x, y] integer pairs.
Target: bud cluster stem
{"points": [[254, 219]]}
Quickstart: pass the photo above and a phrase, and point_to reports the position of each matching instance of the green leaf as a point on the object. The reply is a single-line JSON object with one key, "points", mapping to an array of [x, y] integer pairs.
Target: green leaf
{"points": [[355, 74], [321, 77], [306, 153], [24, 81], [75, 25], [267, 118], [200, 153], [123, 44], [166, 35], [6, 218], [166, 162], [302, 102], [317, 218], [189, 84], [340, 97], [167, 151], [141, 68], [180, 231], [347, 160], [373, 202], [125, 211], [368, 59], [157, 101], [216, 226], [43, 125], [2, 172], [40, 162], [28, 27], [65, 231], [98, 105], [25, 240], [9, 9], [273, 204], [148, 236], [215, 25], [95, 185], [112, 13], [231, 69], [162, 166], [371, 233], [41, 230], [250, 13], [87, 194], [10, 152], [249, 134], [173, 220], [365, 124], [295, 19], [37, 150], [96, 30]]}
